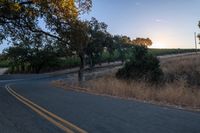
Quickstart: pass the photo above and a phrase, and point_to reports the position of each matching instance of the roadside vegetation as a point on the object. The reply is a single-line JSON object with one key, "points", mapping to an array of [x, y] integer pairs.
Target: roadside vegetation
{"points": [[142, 66], [163, 51], [4, 63], [74, 61], [180, 84]]}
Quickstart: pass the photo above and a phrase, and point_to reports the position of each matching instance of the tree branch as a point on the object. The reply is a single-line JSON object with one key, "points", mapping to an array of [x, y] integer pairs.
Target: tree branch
{"points": [[26, 3]]}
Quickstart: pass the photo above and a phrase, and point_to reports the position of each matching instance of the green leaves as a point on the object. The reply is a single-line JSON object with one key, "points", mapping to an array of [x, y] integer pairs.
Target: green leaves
{"points": [[16, 16], [142, 66]]}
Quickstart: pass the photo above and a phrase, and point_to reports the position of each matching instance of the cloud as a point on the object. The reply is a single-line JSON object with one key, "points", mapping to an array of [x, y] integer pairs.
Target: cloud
{"points": [[160, 20], [137, 3]]}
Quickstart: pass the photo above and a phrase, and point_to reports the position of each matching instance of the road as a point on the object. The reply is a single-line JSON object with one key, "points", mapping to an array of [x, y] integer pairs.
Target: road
{"points": [[42, 108]]}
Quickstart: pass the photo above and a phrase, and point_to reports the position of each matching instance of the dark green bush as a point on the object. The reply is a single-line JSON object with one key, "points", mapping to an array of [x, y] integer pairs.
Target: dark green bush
{"points": [[4, 63], [142, 66]]}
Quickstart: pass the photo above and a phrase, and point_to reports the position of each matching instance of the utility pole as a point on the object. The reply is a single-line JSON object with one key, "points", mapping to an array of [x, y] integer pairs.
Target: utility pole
{"points": [[195, 40]]}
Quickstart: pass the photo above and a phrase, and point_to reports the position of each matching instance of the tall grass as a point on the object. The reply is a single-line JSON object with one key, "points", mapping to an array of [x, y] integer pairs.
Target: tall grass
{"points": [[176, 93], [185, 68], [181, 86]]}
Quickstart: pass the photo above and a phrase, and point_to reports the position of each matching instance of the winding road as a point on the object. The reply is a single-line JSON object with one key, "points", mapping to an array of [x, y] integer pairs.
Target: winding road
{"points": [[30, 104]]}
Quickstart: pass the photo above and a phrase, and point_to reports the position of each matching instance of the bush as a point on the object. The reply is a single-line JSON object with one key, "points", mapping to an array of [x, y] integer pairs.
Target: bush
{"points": [[142, 66], [4, 63]]}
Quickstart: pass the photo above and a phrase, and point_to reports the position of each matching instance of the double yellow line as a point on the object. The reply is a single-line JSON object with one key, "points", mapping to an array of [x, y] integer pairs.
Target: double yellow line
{"points": [[54, 119]]}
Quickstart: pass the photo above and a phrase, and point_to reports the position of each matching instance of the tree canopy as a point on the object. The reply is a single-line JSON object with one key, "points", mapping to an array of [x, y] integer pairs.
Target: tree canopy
{"points": [[198, 34], [48, 29], [142, 41], [18, 16], [20, 21]]}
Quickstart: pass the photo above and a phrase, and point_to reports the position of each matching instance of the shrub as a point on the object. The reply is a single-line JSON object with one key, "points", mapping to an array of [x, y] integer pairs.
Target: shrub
{"points": [[142, 66], [4, 63]]}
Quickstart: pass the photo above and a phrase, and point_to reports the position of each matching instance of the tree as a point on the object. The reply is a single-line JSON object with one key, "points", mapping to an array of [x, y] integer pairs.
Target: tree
{"points": [[79, 40], [17, 57], [31, 54], [59, 17], [98, 31], [19, 15], [109, 44], [199, 34], [142, 41], [142, 66], [123, 45]]}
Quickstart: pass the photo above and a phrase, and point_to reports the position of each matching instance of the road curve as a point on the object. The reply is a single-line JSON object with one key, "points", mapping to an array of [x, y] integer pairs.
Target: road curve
{"points": [[91, 113]]}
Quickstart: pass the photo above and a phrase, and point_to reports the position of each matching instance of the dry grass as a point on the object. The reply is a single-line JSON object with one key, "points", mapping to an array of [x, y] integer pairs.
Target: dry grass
{"points": [[181, 90], [176, 93], [182, 68]]}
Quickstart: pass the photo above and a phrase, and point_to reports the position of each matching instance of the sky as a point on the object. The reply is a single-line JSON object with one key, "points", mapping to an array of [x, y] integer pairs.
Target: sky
{"points": [[168, 23]]}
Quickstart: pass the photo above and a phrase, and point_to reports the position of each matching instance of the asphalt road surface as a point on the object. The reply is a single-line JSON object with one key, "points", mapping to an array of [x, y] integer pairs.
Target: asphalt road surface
{"points": [[34, 106]]}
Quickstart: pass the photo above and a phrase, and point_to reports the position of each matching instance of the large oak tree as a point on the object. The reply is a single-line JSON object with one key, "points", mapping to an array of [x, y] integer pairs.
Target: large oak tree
{"points": [[55, 19]]}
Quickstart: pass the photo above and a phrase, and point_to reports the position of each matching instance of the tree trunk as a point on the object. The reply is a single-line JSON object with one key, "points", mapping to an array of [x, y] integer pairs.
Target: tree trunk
{"points": [[91, 61], [82, 65], [23, 67]]}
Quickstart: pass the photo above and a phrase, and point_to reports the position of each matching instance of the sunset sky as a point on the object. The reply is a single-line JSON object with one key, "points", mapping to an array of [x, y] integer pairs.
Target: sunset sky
{"points": [[168, 23]]}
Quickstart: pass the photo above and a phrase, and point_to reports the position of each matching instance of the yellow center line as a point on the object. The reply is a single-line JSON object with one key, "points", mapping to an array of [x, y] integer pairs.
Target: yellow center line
{"points": [[42, 114], [43, 111]]}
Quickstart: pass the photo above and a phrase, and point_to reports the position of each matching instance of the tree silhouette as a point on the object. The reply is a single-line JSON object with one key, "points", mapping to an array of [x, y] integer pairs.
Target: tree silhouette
{"points": [[198, 34], [98, 33], [79, 40]]}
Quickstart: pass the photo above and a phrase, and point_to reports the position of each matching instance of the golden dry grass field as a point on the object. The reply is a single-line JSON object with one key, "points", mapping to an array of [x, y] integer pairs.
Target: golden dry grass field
{"points": [[181, 86]]}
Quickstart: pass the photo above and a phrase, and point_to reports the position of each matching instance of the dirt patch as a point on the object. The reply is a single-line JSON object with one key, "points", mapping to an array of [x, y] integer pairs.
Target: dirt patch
{"points": [[3, 70]]}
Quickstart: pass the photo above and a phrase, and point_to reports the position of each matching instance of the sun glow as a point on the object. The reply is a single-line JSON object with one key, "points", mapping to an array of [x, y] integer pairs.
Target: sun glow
{"points": [[158, 45]]}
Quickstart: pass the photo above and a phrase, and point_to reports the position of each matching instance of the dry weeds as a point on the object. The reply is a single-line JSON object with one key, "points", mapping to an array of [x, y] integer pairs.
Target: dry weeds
{"points": [[178, 91], [182, 68]]}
